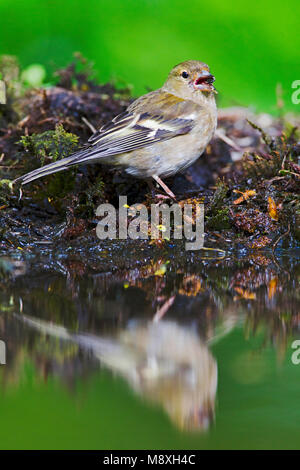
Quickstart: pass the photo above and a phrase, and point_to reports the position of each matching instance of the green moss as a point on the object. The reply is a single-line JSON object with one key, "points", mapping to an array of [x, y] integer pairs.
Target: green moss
{"points": [[219, 221], [48, 147], [291, 131], [95, 190], [60, 184], [90, 198], [219, 196], [261, 167], [6, 190], [53, 145], [281, 151], [217, 217]]}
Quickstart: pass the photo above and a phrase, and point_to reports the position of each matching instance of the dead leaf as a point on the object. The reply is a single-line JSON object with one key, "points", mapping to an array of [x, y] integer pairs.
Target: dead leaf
{"points": [[244, 294], [244, 196], [272, 209]]}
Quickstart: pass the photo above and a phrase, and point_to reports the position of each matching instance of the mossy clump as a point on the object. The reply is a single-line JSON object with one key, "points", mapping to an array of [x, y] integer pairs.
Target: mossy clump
{"points": [[6, 190], [217, 216], [90, 198], [279, 159], [50, 145], [272, 175], [219, 195], [219, 220]]}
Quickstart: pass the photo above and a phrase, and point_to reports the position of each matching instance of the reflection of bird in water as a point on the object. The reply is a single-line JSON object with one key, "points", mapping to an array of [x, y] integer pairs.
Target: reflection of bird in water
{"points": [[164, 362], [178, 371]]}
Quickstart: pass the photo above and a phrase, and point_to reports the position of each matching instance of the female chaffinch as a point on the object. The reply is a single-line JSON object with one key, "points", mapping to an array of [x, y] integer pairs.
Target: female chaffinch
{"points": [[160, 133]]}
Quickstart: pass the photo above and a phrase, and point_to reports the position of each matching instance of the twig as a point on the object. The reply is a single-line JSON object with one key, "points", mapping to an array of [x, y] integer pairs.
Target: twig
{"points": [[227, 140], [288, 172], [11, 167], [90, 126], [283, 161], [276, 178]]}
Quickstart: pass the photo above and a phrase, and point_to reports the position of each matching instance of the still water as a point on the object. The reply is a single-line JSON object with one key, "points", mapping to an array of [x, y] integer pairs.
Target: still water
{"points": [[166, 353]]}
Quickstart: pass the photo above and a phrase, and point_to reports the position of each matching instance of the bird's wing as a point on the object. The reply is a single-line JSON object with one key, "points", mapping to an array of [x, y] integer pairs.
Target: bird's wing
{"points": [[148, 120]]}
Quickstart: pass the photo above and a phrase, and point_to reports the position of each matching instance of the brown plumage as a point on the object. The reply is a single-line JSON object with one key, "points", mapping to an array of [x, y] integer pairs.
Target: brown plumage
{"points": [[160, 133]]}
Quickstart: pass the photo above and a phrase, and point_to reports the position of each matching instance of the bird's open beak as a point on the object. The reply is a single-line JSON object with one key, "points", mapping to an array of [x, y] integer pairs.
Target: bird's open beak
{"points": [[204, 82]]}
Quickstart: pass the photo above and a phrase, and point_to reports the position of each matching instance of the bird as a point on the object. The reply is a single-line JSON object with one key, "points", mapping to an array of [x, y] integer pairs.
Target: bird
{"points": [[163, 362], [159, 134]]}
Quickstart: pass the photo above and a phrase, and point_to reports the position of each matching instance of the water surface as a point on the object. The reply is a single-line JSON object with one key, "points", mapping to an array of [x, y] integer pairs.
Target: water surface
{"points": [[170, 353]]}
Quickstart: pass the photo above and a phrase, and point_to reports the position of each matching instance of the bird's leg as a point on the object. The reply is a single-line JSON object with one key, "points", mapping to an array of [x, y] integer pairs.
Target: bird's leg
{"points": [[163, 310], [153, 191], [164, 186]]}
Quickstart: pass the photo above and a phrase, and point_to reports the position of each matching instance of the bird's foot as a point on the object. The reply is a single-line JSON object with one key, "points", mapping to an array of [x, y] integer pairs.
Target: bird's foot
{"points": [[167, 190], [155, 197]]}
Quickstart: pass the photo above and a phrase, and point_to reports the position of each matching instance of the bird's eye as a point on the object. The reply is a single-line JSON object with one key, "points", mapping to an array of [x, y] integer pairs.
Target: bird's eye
{"points": [[185, 75]]}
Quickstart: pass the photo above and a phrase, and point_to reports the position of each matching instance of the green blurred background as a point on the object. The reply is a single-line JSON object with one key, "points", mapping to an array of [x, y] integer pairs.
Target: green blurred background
{"points": [[250, 46]]}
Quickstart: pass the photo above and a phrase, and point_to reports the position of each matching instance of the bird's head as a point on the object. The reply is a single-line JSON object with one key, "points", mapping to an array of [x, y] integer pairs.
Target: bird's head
{"points": [[191, 77]]}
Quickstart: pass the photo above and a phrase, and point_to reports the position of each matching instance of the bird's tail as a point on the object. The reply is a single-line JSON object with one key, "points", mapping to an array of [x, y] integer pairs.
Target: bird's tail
{"points": [[82, 156]]}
